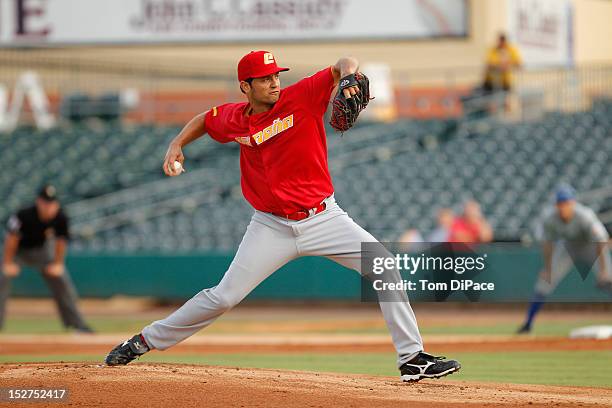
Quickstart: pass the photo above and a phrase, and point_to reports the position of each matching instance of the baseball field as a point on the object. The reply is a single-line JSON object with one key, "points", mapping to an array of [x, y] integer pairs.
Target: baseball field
{"points": [[296, 356]]}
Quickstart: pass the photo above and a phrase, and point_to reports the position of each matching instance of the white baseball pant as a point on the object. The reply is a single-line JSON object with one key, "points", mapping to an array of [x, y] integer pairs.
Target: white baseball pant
{"points": [[268, 244]]}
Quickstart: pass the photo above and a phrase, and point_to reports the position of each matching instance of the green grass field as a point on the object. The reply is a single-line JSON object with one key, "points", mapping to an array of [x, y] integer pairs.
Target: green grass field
{"points": [[578, 368], [114, 324]]}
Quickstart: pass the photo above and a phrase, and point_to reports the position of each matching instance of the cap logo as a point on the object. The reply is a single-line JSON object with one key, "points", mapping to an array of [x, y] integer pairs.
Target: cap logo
{"points": [[268, 58], [50, 191]]}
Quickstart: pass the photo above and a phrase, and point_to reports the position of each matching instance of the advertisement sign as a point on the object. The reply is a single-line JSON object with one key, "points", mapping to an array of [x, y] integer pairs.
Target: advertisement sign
{"points": [[542, 30], [40, 22]]}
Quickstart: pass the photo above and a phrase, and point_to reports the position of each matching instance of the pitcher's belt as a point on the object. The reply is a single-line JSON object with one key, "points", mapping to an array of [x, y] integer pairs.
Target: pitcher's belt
{"points": [[303, 214]]}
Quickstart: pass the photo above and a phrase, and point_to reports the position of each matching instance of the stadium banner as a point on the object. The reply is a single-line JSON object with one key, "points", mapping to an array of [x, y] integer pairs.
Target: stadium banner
{"points": [[57, 22], [543, 31]]}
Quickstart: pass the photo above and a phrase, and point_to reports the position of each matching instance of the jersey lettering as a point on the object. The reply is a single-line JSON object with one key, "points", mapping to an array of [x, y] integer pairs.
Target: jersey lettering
{"points": [[245, 140], [274, 129]]}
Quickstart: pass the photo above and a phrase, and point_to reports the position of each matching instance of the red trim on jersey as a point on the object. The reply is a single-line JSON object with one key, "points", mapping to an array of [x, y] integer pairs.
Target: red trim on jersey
{"points": [[283, 152]]}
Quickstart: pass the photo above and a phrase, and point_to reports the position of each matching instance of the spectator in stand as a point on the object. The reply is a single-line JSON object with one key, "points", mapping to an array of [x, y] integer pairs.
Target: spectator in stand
{"points": [[471, 227], [446, 217], [501, 60], [441, 233]]}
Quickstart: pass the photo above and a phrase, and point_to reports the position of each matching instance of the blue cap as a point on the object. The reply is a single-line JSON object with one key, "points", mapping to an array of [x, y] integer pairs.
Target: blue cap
{"points": [[565, 193]]}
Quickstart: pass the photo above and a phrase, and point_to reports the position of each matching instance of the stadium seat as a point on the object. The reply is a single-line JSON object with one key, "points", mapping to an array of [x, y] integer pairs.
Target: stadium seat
{"points": [[386, 177]]}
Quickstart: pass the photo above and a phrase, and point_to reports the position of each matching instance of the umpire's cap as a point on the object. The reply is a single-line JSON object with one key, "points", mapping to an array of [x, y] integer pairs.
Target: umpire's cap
{"points": [[48, 193]]}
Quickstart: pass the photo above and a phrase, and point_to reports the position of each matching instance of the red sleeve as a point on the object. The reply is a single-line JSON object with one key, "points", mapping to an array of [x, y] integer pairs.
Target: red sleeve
{"points": [[317, 89], [215, 121]]}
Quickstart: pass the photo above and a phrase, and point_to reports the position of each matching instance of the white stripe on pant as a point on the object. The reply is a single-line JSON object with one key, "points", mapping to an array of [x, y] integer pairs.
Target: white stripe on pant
{"points": [[268, 244]]}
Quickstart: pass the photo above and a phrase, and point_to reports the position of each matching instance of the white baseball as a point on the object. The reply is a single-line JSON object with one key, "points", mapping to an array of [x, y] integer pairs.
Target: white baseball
{"points": [[178, 167]]}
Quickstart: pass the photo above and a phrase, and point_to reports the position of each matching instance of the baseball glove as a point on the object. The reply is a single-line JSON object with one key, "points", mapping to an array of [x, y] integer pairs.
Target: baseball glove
{"points": [[346, 110]]}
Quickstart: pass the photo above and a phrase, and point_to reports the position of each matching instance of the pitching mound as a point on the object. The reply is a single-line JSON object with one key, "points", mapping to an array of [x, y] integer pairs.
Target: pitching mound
{"points": [[142, 385]]}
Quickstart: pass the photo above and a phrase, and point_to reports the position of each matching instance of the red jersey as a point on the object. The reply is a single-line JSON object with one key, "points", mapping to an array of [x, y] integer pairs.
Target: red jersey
{"points": [[283, 152], [463, 231]]}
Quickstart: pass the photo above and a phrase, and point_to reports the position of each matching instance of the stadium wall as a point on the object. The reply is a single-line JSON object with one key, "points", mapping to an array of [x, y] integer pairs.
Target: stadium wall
{"points": [[434, 56], [176, 81], [592, 27], [179, 277]]}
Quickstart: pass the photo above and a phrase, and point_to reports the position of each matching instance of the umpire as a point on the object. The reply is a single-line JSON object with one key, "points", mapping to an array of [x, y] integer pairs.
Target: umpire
{"points": [[37, 237]]}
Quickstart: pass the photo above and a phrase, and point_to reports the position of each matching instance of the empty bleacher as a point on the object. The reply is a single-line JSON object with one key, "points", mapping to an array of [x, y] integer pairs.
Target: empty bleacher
{"points": [[389, 177]]}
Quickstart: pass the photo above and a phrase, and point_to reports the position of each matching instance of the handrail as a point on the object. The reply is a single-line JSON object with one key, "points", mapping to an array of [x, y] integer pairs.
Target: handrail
{"points": [[108, 211], [148, 211], [83, 207]]}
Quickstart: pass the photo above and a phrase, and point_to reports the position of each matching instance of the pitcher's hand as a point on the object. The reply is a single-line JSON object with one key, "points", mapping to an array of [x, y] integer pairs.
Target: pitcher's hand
{"points": [[174, 153]]}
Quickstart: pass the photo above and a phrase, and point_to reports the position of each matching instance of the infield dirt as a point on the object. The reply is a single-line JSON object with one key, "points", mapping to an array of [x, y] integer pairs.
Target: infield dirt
{"points": [[145, 385]]}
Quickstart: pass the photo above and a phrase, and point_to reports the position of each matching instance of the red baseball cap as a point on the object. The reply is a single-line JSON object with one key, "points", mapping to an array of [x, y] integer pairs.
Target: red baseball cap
{"points": [[258, 64]]}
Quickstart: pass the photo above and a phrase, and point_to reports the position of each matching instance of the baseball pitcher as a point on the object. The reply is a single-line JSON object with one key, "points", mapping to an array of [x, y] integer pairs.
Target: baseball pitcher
{"points": [[285, 177]]}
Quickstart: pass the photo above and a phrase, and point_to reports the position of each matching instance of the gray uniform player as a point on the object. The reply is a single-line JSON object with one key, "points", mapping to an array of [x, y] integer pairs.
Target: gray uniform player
{"points": [[572, 235], [285, 177]]}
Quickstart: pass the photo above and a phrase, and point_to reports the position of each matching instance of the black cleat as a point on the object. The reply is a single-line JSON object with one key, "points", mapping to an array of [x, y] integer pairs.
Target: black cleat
{"points": [[524, 329], [427, 366], [127, 351]]}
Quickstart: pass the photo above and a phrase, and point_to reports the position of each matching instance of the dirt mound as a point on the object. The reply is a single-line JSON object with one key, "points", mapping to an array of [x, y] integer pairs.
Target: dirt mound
{"points": [[142, 385]]}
